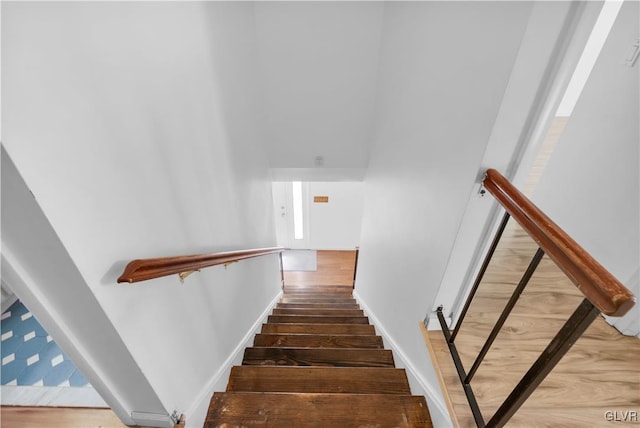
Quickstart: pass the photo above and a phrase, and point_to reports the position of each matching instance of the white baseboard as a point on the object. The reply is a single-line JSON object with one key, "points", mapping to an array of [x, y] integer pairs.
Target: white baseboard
{"points": [[196, 414], [410, 367]]}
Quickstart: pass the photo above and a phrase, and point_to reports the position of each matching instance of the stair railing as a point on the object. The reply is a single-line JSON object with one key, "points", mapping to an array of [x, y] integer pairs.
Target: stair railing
{"points": [[144, 269], [602, 291]]}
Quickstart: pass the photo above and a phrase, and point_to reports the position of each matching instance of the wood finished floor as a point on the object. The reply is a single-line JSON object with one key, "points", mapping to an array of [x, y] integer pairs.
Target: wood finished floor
{"points": [[61, 417], [335, 268], [58, 417], [600, 373]]}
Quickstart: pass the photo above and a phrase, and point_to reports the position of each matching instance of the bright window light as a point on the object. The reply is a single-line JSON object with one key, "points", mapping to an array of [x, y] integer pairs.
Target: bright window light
{"points": [[589, 56], [297, 211]]}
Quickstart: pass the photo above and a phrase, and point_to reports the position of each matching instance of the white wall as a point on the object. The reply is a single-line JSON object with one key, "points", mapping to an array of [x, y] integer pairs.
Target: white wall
{"points": [[436, 107], [591, 186], [134, 125], [326, 226], [335, 225], [551, 47], [37, 267]]}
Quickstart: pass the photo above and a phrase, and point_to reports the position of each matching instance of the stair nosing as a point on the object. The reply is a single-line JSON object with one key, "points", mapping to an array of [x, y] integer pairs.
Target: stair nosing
{"points": [[318, 334]]}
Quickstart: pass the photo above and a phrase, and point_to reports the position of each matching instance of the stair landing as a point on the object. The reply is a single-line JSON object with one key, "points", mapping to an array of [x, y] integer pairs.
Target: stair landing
{"points": [[317, 363]]}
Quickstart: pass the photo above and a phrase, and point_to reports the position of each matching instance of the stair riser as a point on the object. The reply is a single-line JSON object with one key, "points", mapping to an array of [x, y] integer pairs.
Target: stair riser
{"points": [[352, 329], [316, 289], [317, 341], [348, 295], [327, 380], [331, 312], [317, 306], [316, 300], [300, 319], [318, 357]]}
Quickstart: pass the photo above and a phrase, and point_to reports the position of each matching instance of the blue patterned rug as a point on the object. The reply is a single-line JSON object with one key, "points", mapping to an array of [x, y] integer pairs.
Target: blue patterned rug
{"points": [[29, 354]]}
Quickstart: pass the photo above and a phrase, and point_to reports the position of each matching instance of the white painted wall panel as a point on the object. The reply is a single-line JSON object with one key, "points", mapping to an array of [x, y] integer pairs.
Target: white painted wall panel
{"points": [[335, 225], [551, 47], [591, 186], [135, 127], [437, 104]]}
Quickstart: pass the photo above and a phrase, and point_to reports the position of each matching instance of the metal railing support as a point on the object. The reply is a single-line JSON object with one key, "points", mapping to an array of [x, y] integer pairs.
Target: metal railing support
{"points": [[579, 321]]}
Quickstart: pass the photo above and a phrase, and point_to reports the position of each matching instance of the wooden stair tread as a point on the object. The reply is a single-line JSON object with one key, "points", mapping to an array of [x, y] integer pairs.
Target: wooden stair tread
{"points": [[328, 311], [317, 363], [318, 341], [318, 289], [318, 305], [316, 319], [331, 302], [316, 410], [316, 292], [336, 380], [286, 299], [331, 357], [325, 328]]}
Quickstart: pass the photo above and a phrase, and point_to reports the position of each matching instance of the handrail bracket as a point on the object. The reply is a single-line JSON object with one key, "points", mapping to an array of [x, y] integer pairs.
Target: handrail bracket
{"points": [[184, 275]]}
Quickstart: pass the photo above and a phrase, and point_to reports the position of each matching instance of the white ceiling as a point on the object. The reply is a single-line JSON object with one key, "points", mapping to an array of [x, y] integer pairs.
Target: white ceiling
{"points": [[318, 66], [318, 73]]}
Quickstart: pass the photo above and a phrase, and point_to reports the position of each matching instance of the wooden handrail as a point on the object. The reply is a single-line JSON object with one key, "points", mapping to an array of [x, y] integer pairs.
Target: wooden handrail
{"points": [[143, 269], [598, 285]]}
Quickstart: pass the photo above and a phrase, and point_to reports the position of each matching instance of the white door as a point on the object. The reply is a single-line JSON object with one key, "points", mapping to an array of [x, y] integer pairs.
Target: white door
{"points": [[292, 228]]}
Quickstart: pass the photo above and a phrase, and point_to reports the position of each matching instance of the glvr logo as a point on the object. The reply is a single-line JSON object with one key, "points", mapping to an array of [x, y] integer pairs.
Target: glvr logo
{"points": [[621, 415]]}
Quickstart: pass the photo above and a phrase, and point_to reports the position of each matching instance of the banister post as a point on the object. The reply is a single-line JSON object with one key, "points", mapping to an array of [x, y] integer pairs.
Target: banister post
{"points": [[483, 269]]}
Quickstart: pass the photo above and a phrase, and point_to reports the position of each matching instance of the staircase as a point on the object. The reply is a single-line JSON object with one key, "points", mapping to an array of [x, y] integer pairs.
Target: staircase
{"points": [[317, 363]]}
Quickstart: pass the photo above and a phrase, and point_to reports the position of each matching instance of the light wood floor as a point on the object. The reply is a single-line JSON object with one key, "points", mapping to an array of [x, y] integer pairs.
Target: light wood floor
{"points": [[335, 269], [61, 417], [600, 373], [57, 417]]}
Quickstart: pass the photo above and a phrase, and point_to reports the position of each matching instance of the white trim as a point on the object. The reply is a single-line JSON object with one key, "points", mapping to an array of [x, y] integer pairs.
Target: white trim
{"points": [[8, 296], [153, 419], [397, 350], [203, 398]]}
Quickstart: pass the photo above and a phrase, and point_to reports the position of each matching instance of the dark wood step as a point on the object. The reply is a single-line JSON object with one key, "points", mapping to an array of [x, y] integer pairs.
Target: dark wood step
{"points": [[337, 357], [336, 380], [240, 409], [331, 312], [319, 319], [318, 305], [318, 341], [357, 329], [315, 289], [323, 294], [286, 299]]}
